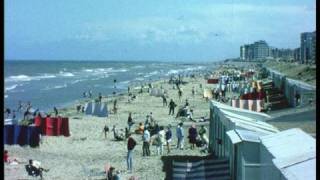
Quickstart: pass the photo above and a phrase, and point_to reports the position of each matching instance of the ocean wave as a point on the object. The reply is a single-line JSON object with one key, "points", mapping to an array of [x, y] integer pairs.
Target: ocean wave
{"points": [[139, 79], [6, 96], [124, 82], [138, 67], [55, 87], [66, 74], [78, 80], [11, 87], [23, 77]]}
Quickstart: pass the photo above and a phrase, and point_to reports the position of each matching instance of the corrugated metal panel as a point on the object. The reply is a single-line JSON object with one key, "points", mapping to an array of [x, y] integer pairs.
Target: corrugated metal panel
{"points": [[234, 137]]}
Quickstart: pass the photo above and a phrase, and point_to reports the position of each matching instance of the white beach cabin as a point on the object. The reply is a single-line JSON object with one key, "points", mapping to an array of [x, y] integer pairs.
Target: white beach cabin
{"points": [[234, 135], [288, 155]]}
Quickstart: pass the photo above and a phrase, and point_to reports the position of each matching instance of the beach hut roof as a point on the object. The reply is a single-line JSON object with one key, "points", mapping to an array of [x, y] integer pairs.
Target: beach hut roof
{"points": [[299, 167], [240, 135], [294, 153], [302, 84], [246, 119], [284, 143]]}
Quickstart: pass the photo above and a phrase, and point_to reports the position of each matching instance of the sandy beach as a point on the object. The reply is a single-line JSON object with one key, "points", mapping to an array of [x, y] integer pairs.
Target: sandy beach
{"points": [[84, 154]]}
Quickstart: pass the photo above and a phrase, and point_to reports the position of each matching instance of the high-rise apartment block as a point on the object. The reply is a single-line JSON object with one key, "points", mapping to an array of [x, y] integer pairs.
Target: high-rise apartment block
{"points": [[256, 51], [307, 47]]}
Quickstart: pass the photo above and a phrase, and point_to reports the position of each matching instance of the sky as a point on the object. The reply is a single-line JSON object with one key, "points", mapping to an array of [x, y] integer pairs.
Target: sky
{"points": [[166, 30]]}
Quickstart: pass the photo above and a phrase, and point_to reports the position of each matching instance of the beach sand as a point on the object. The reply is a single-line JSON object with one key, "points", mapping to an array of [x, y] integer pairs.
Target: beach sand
{"points": [[86, 151]]}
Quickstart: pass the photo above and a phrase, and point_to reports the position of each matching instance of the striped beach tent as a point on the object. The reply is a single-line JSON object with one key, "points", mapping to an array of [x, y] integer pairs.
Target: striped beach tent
{"points": [[217, 169]]}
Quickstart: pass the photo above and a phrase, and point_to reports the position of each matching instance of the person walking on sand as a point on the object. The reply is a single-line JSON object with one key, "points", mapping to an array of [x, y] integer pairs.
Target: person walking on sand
{"points": [[146, 143], [164, 100], [130, 146], [168, 137], [100, 97], [192, 135], [115, 106], [130, 121], [180, 93], [160, 140], [172, 105], [105, 131], [180, 136], [192, 91]]}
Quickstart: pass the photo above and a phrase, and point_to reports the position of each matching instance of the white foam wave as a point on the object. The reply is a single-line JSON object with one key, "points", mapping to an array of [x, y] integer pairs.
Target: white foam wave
{"points": [[55, 87], [139, 79], [78, 80], [124, 82], [11, 87], [138, 67], [66, 74], [18, 78], [23, 77]]}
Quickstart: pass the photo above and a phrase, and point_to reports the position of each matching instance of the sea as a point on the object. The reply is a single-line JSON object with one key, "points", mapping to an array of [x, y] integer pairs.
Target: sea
{"points": [[62, 83]]}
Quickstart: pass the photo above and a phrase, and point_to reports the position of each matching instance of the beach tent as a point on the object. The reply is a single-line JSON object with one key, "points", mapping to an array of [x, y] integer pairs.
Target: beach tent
{"points": [[224, 118], [96, 109], [88, 108], [21, 135], [290, 154], [244, 153], [100, 110]]}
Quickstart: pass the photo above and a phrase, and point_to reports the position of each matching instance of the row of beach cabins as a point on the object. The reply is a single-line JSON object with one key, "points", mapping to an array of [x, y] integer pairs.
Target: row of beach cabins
{"points": [[254, 149]]}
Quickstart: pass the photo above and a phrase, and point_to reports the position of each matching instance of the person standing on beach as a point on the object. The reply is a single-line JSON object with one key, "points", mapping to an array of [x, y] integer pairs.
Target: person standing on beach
{"points": [[146, 143], [130, 121], [105, 130], [55, 111], [180, 136], [180, 93], [192, 91], [130, 146], [100, 97], [20, 106], [172, 105], [168, 137], [164, 100], [192, 135], [115, 106], [160, 140]]}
